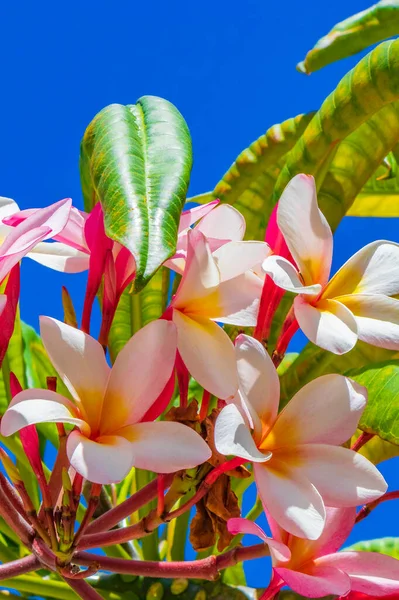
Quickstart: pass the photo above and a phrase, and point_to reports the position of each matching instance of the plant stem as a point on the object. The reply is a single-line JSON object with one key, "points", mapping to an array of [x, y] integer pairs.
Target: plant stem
{"points": [[19, 567], [14, 520], [83, 589], [92, 504], [206, 568], [361, 441], [366, 510]]}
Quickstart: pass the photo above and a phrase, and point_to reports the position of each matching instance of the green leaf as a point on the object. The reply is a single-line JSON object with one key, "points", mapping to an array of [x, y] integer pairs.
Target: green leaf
{"points": [[136, 160], [234, 575], [388, 546], [377, 23], [366, 89], [381, 415], [376, 450]]}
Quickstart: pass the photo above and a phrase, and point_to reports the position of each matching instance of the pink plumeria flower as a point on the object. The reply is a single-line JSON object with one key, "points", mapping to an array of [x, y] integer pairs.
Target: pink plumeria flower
{"points": [[315, 568], [356, 303], [220, 287], [59, 256], [298, 463], [109, 404], [219, 224]]}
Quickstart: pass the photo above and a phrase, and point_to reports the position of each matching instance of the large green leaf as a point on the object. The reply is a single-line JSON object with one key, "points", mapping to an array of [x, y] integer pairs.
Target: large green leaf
{"points": [[136, 160], [377, 23], [378, 198], [365, 90], [381, 415], [388, 546]]}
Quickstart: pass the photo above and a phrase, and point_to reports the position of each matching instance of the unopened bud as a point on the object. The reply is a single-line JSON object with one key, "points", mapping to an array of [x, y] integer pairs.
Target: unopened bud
{"points": [[69, 310], [178, 586], [10, 468], [155, 591]]}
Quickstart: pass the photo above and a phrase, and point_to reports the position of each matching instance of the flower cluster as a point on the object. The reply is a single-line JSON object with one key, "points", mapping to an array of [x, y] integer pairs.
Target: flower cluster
{"points": [[308, 479]]}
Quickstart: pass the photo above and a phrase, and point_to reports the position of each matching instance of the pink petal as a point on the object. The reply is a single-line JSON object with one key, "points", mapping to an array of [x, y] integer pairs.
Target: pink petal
{"points": [[286, 276], [80, 362], [328, 324], [303, 420], [192, 215], [344, 478], [377, 319], [73, 233], [165, 446], [275, 238], [8, 309], [162, 402], [151, 350], [234, 258], [30, 407], [291, 499], [316, 582], [244, 526], [208, 354], [233, 437], [223, 223], [238, 300], [339, 524], [258, 379], [372, 270], [305, 229], [370, 572], [106, 460], [60, 257]]}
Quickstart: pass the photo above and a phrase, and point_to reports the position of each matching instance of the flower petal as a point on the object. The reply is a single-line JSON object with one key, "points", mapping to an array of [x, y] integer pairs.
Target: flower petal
{"points": [[285, 275], [223, 223], [258, 379], [329, 324], [372, 270], [151, 350], [305, 229], [192, 215], [303, 420], [291, 499], [165, 446], [80, 362], [208, 354], [344, 478], [60, 257], [106, 460], [233, 437], [244, 526], [370, 572], [39, 406], [234, 258], [377, 319], [238, 302], [317, 581]]}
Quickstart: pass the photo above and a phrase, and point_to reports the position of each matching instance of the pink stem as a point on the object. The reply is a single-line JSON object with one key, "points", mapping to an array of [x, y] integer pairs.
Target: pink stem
{"points": [[83, 589], [273, 588], [115, 515], [290, 326], [15, 520], [161, 494], [206, 568], [206, 396], [19, 567], [269, 302], [182, 379], [12, 496], [361, 440], [366, 510]]}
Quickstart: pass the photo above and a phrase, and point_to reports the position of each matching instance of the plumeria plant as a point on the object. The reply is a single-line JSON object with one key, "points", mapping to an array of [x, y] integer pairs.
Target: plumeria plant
{"points": [[184, 395]]}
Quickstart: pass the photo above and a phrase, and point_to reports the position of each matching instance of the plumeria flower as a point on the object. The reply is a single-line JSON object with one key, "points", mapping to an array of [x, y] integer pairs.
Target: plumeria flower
{"points": [[219, 287], [356, 303], [299, 465], [219, 224], [315, 568], [59, 256], [109, 404]]}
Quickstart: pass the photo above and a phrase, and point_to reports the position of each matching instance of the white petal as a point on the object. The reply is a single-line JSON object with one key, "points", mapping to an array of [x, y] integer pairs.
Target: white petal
{"points": [[238, 302], [39, 406], [377, 319], [285, 275], [305, 229], [80, 362], [208, 354], [343, 477], [132, 387], [303, 420], [233, 437], [328, 324], [107, 460], [234, 258], [372, 270], [258, 379], [8, 207], [166, 446], [244, 526], [192, 215], [223, 223], [291, 499], [60, 257]]}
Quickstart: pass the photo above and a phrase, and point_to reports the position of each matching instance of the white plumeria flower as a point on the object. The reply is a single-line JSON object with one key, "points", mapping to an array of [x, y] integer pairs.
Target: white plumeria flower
{"points": [[299, 465], [109, 404], [55, 255], [355, 303], [221, 287]]}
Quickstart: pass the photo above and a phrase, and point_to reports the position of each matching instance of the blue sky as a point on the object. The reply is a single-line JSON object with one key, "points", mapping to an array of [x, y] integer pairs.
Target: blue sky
{"points": [[228, 66]]}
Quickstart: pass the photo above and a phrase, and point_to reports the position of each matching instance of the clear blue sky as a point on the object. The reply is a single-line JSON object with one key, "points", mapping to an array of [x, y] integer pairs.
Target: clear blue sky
{"points": [[228, 66]]}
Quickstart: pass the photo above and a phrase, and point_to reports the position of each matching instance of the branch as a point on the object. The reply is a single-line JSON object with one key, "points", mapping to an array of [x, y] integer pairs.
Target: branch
{"points": [[83, 589], [366, 510], [14, 520], [206, 568], [19, 567]]}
